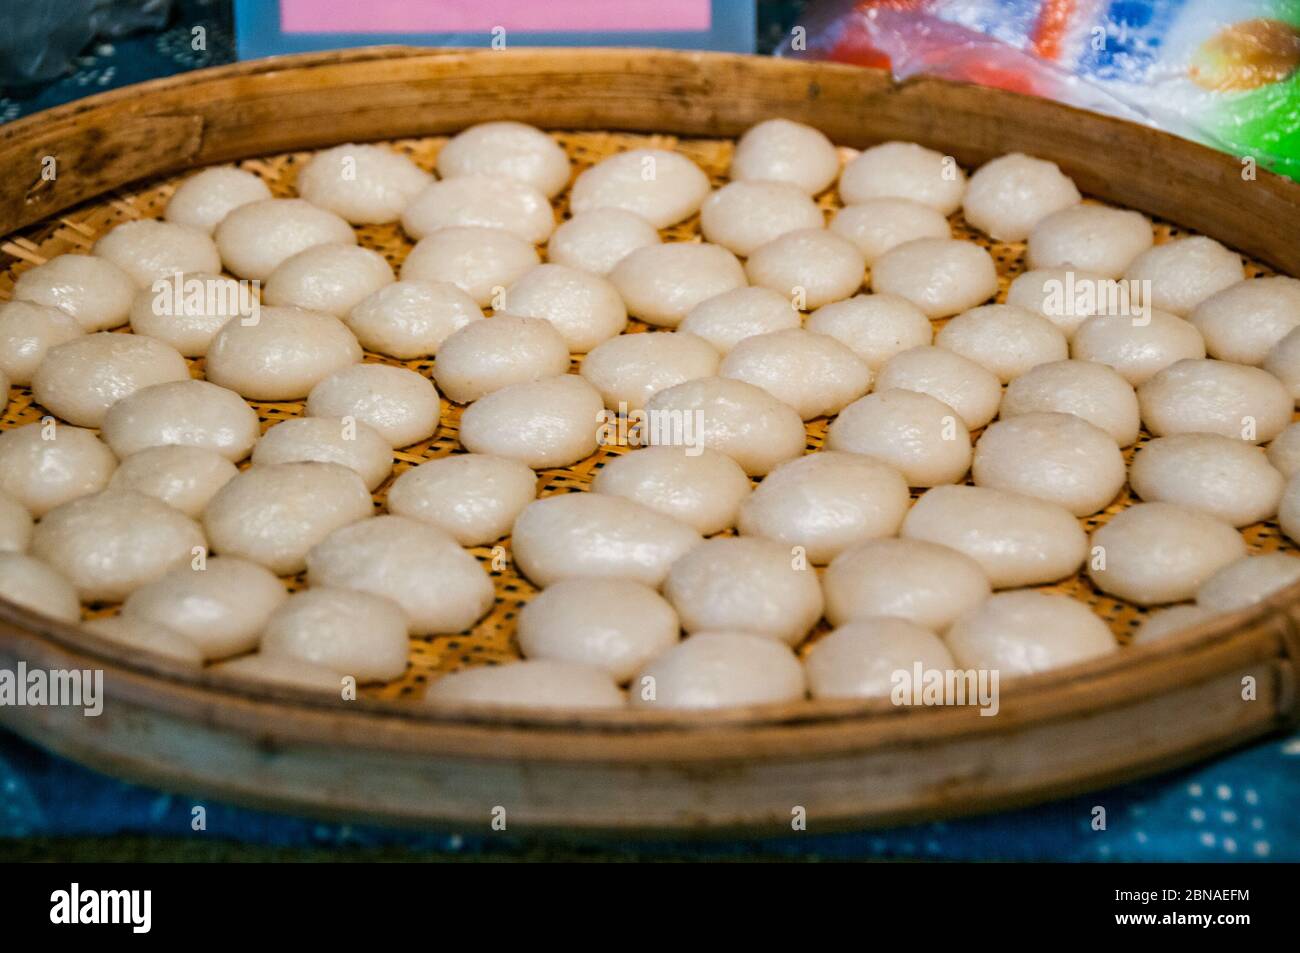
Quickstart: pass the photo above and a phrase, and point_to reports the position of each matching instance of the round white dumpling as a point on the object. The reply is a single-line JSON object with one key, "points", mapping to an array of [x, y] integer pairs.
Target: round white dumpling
{"points": [[365, 184], [904, 170], [874, 327], [779, 150], [34, 585], [662, 187], [254, 239], [1215, 397], [660, 284], [720, 670], [190, 413], [1004, 339], [597, 240], [1284, 451], [1021, 633], [948, 377], [611, 624], [924, 438], [15, 525], [81, 379], [512, 150], [1283, 362], [481, 200], [221, 604], [1094, 238], [332, 278], [1244, 321], [1017, 540], [182, 477], [114, 542], [283, 671], [1184, 272], [533, 683], [1066, 296], [482, 262], [1138, 347], [208, 196], [585, 308], [744, 215], [548, 423], [43, 465], [147, 250], [474, 497], [1288, 514], [1009, 195], [440, 587], [813, 373], [1248, 581], [941, 276], [1166, 622], [401, 405], [1056, 457], [727, 319], [812, 265], [743, 421], [1153, 553], [96, 292], [485, 356], [27, 333], [702, 488], [146, 636], [411, 319], [925, 583], [281, 356], [188, 314], [869, 658], [826, 502], [350, 443], [593, 534], [350, 632], [879, 225], [630, 369], [1225, 477], [1091, 391], [273, 514]]}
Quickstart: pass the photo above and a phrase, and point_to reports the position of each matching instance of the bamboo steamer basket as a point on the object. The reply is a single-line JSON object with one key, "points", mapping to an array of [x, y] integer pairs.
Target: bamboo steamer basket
{"points": [[384, 757]]}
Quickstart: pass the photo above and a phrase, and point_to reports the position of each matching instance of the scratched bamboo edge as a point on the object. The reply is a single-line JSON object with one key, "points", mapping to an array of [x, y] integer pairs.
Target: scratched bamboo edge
{"points": [[1142, 710]]}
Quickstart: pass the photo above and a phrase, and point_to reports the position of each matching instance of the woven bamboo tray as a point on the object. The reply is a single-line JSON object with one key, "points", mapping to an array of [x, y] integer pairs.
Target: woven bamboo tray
{"points": [[384, 757]]}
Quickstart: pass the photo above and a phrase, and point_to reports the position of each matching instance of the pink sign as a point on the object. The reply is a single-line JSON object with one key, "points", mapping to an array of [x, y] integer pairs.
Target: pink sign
{"points": [[475, 16]]}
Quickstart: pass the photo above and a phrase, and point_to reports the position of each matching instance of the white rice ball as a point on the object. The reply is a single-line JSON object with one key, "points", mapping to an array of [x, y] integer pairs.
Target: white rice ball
{"points": [[281, 356], [274, 514], [826, 502], [1017, 540], [741, 216], [1056, 457], [1167, 622], [27, 333], [1288, 514], [513, 150], [597, 240], [1004, 339], [660, 284], [188, 314], [208, 196], [401, 405], [43, 465], [1138, 348], [1009, 195], [191, 413], [114, 542], [1185, 271], [727, 319], [481, 200], [349, 443], [440, 587], [332, 278], [874, 327], [630, 369], [256, 238], [548, 423], [880, 225], [925, 583], [948, 377], [1094, 238], [813, 265], [1284, 451], [720, 670], [15, 525], [1283, 362], [221, 607], [1225, 477], [1065, 296], [81, 379], [533, 683], [474, 497], [365, 184], [1244, 321], [1215, 397], [283, 671], [96, 292], [411, 319], [35, 586], [143, 635], [596, 535], [185, 478], [354, 633], [941, 276], [779, 150], [662, 187], [704, 489], [813, 373], [924, 438], [867, 659], [585, 308], [1248, 581], [482, 262], [1094, 392], [904, 170], [147, 250], [611, 624], [506, 349], [1021, 633]]}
